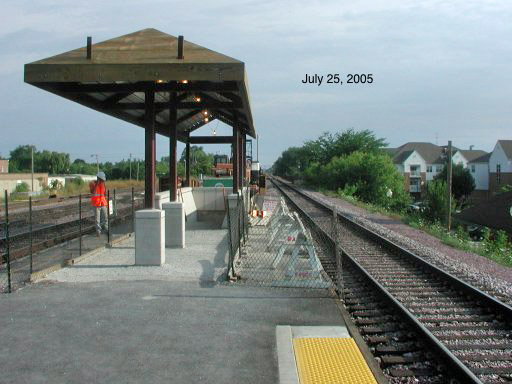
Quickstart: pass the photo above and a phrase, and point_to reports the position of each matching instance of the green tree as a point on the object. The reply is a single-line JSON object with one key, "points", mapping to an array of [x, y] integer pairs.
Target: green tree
{"points": [[462, 181], [295, 160], [20, 159], [338, 144], [292, 163], [52, 162], [200, 161], [369, 177], [81, 167], [436, 200]]}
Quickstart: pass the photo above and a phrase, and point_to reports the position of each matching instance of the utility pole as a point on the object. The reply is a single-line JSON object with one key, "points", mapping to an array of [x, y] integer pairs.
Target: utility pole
{"points": [[137, 170], [449, 186], [130, 166], [32, 156]]}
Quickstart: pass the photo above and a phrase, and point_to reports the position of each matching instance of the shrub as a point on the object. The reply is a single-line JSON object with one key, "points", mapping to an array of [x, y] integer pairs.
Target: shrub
{"points": [[462, 234], [366, 176], [22, 187], [78, 181], [436, 201], [55, 185]]}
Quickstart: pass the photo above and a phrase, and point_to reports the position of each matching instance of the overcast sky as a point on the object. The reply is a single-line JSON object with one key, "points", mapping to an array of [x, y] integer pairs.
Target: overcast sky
{"points": [[441, 69]]}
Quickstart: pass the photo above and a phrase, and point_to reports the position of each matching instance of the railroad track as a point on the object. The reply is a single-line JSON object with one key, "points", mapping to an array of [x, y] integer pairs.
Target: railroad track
{"points": [[52, 225], [420, 322]]}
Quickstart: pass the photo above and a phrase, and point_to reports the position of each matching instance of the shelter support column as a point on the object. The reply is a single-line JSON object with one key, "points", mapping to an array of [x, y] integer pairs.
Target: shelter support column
{"points": [[244, 158], [149, 182], [174, 209], [236, 154], [173, 141], [187, 162], [240, 160]]}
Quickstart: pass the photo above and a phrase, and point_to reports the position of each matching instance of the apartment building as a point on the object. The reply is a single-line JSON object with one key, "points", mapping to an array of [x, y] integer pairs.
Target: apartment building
{"points": [[420, 162], [500, 166]]}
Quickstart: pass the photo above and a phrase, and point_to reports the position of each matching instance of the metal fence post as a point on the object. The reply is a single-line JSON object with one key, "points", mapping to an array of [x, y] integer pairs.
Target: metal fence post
{"points": [[337, 252], [239, 227], [7, 255], [30, 230], [241, 213], [230, 239], [80, 225], [108, 216], [246, 211], [133, 210]]}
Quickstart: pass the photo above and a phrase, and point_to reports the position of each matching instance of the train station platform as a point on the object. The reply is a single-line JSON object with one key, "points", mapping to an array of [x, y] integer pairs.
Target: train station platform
{"points": [[107, 320]]}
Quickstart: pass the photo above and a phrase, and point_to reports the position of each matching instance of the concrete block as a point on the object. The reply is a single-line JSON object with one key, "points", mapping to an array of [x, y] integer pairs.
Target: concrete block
{"points": [[161, 198], [174, 224], [233, 200], [149, 237]]}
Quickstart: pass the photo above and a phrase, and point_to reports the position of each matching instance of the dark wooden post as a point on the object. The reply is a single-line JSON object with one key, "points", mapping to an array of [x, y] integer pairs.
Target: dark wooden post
{"points": [[89, 47], [240, 160], [244, 157], [187, 162], [149, 184], [236, 154], [173, 142]]}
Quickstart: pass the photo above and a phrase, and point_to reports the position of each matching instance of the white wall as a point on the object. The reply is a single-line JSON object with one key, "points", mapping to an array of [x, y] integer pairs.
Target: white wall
{"points": [[458, 158], [210, 199], [10, 185], [436, 168], [194, 199], [498, 156], [481, 175], [415, 159]]}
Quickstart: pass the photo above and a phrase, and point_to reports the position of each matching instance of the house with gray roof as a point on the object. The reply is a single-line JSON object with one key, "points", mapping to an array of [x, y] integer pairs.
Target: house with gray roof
{"points": [[500, 166], [420, 162]]}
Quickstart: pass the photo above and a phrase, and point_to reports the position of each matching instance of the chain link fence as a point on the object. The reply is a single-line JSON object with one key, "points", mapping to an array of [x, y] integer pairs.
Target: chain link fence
{"points": [[37, 235], [274, 244]]}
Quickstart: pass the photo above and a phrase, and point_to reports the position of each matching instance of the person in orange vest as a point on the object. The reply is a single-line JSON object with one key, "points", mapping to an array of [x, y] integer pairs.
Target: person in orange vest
{"points": [[99, 201]]}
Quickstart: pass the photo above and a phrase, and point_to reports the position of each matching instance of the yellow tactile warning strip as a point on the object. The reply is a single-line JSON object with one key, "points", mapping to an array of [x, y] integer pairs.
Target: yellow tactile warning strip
{"points": [[331, 360]]}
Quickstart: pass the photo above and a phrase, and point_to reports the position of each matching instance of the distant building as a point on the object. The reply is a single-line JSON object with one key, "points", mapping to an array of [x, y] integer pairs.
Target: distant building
{"points": [[63, 179], [4, 166], [479, 168], [9, 181], [420, 162], [500, 166]]}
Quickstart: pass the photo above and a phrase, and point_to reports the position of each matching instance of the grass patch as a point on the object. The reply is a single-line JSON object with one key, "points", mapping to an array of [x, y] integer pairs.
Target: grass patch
{"points": [[493, 246], [76, 188]]}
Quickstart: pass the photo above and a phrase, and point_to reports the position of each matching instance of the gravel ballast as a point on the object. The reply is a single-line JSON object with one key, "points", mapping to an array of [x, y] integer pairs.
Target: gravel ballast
{"points": [[472, 268]]}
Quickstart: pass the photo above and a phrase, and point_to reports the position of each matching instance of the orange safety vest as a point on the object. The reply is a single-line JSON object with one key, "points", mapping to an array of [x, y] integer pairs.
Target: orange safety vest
{"points": [[99, 195]]}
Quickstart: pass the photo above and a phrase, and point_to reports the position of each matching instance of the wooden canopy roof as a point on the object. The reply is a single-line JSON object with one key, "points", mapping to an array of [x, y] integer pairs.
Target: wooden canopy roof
{"points": [[119, 71]]}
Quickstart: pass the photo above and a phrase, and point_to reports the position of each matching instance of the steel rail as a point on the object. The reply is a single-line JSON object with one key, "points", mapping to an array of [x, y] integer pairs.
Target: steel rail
{"points": [[459, 370], [40, 244], [492, 302]]}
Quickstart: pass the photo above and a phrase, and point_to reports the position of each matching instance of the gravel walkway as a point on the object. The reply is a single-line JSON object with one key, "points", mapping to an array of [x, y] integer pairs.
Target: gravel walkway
{"points": [[475, 269]]}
